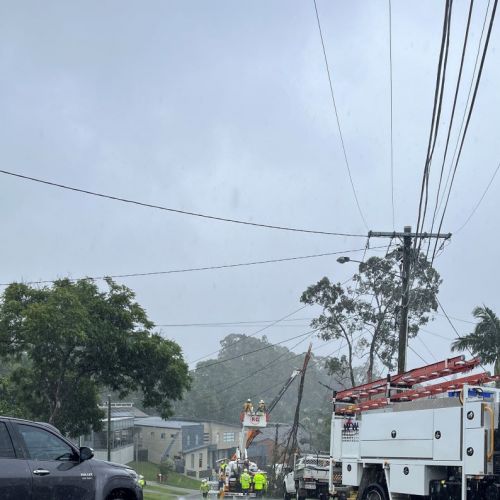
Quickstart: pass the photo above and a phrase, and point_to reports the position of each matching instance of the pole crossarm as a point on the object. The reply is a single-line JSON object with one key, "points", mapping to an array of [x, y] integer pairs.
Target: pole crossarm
{"points": [[399, 234]]}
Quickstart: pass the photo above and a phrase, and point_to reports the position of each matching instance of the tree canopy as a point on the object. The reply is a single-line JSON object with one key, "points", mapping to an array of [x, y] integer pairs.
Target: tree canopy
{"points": [[365, 314], [484, 341], [249, 367], [70, 340]]}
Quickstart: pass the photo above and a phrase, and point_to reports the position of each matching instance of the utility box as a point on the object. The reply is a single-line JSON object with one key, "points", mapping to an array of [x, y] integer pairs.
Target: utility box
{"points": [[352, 473], [413, 479], [395, 435], [447, 433]]}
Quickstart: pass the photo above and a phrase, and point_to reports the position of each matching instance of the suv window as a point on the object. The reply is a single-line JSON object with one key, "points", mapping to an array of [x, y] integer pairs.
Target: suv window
{"points": [[6, 448], [43, 445]]}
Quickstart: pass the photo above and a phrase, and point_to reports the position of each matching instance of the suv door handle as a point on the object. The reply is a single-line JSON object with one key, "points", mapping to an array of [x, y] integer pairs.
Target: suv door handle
{"points": [[41, 472]]}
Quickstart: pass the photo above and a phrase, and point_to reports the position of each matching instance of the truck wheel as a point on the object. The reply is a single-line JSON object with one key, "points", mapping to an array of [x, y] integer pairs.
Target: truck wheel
{"points": [[118, 495], [300, 495], [374, 492], [286, 495]]}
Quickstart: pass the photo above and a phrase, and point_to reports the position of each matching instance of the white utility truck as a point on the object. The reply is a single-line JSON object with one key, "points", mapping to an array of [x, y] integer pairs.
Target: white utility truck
{"points": [[309, 478], [405, 438]]}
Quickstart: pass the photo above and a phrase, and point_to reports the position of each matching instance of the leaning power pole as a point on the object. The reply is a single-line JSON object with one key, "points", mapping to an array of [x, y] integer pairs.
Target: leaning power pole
{"points": [[406, 236]]}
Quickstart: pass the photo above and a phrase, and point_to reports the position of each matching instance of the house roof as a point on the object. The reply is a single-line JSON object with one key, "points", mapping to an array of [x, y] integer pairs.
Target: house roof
{"points": [[160, 422], [132, 412], [208, 421], [123, 410]]}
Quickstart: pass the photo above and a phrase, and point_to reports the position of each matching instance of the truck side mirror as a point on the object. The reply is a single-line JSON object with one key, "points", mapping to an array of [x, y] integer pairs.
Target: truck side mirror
{"points": [[86, 453]]}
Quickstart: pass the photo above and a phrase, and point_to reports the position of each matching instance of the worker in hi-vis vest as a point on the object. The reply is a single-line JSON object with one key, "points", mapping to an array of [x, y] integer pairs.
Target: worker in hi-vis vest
{"points": [[259, 483], [245, 480]]}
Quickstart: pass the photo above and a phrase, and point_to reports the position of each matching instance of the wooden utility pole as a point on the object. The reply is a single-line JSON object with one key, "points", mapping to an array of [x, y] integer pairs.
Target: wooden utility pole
{"points": [[109, 429], [407, 236]]}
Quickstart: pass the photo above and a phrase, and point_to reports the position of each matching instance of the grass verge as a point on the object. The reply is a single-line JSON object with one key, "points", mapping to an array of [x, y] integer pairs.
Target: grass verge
{"points": [[150, 472]]}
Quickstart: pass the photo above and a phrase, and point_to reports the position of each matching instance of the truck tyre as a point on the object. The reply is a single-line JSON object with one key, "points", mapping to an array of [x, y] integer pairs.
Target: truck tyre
{"points": [[375, 491], [120, 495], [286, 495], [300, 495]]}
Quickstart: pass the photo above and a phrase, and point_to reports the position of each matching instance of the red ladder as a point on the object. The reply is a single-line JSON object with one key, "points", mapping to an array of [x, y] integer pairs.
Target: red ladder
{"points": [[408, 379], [360, 395]]}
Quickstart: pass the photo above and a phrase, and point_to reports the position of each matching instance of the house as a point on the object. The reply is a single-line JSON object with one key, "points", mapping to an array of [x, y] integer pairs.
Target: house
{"points": [[182, 442], [121, 435], [223, 439], [193, 445]]}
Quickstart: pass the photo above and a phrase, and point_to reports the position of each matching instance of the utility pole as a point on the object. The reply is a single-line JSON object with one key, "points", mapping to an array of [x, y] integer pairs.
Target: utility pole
{"points": [[407, 236], [405, 301], [109, 428]]}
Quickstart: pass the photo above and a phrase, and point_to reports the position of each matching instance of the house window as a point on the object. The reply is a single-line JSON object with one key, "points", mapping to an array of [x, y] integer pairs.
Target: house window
{"points": [[188, 440], [162, 436], [152, 434], [200, 461], [228, 437], [192, 460], [197, 440]]}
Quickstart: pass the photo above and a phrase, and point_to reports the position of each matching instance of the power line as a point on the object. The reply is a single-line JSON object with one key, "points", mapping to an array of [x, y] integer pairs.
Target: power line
{"points": [[337, 117], [471, 108], [235, 323], [193, 269], [450, 126], [427, 348], [455, 330], [392, 143], [254, 333], [453, 326], [458, 319], [415, 352], [225, 360], [175, 210], [485, 20], [435, 120], [266, 366], [480, 199], [259, 394], [284, 318], [434, 334]]}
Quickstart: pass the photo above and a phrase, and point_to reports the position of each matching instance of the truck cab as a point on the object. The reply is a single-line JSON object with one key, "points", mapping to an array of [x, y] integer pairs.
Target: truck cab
{"points": [[38, 463]]}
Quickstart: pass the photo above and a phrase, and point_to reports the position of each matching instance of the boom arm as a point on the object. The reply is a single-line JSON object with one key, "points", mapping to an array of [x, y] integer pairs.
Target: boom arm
{"points": [[251, 435]]}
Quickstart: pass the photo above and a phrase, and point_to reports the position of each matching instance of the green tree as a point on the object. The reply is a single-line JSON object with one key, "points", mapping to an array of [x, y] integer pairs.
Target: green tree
{"points": [[8, 403], [166, 466], [484, 341], [76, 339], [252, 367], [365, 315]]}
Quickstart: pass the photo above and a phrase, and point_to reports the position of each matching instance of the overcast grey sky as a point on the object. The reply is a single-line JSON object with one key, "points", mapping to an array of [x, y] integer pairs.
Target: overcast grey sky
{"points": [[223, 107]]}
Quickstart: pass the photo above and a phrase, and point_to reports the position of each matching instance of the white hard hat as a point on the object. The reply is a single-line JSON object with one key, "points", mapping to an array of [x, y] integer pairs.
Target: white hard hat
{"points": [[261, 401]]}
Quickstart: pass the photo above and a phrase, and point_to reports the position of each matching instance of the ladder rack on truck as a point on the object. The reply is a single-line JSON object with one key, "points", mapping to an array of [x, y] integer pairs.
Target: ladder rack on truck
{"points": [[397, 437]]}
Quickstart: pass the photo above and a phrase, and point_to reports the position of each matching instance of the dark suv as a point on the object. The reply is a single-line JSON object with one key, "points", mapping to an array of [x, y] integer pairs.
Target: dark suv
{"points": [[38, 463]]}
